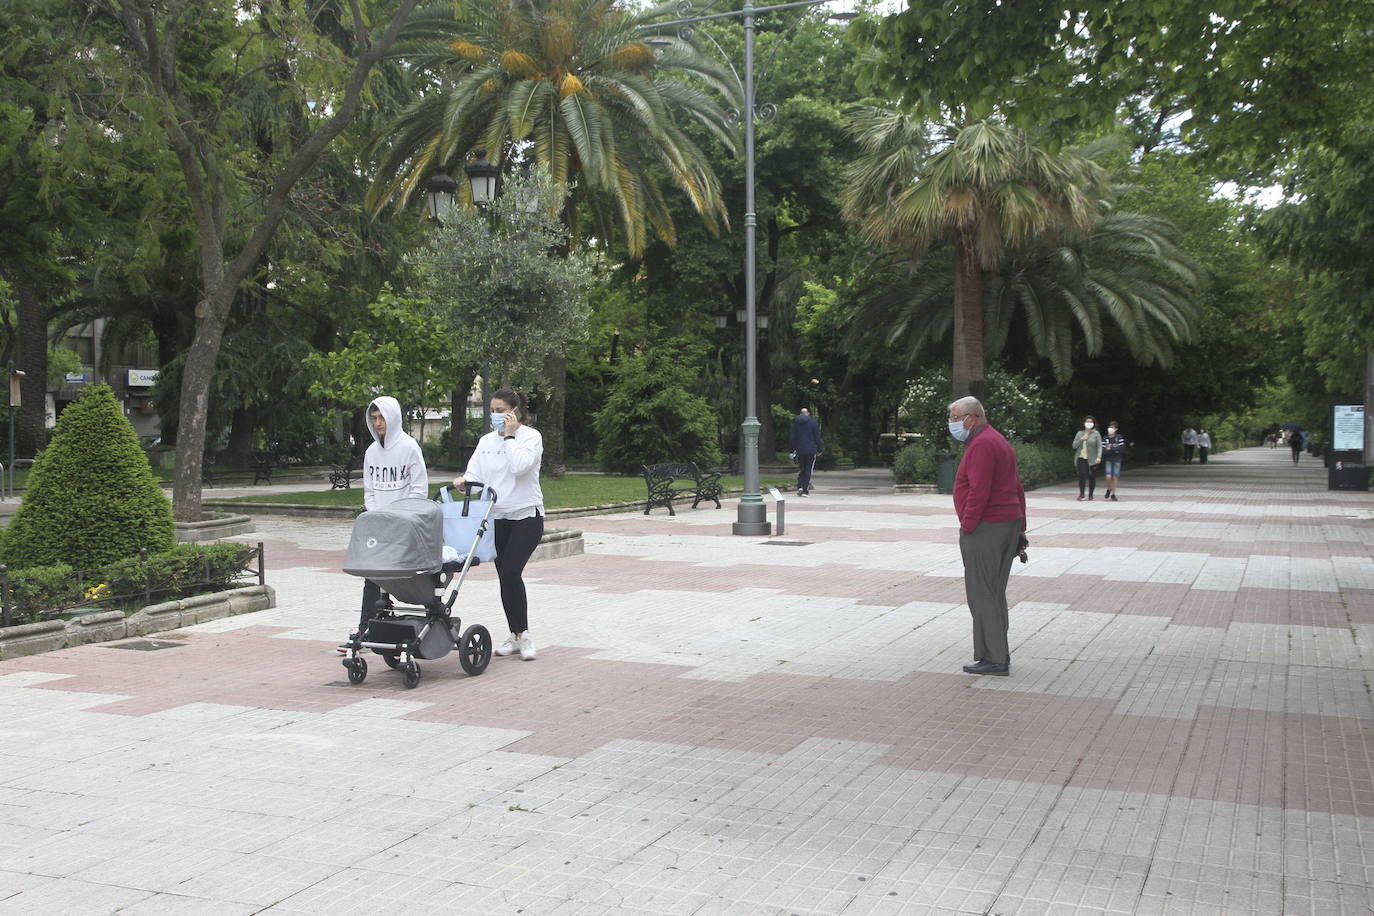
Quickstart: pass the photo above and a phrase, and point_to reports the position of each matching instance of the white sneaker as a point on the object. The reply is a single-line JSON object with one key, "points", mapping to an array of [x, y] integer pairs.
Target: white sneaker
{"points": [[526, 648], [509, 647]]}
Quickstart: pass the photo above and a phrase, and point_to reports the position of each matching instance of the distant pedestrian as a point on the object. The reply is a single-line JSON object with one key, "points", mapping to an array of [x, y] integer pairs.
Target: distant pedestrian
{"points": [[991, 506], [507, 459], [1204, 445], [1113, 450], [1087, 455], [393, 468], [1295, 443], [1189, 443], [804, 441]]}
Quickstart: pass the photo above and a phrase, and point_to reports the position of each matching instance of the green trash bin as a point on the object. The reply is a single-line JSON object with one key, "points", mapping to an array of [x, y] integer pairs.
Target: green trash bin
{"points": [[945, 464]]}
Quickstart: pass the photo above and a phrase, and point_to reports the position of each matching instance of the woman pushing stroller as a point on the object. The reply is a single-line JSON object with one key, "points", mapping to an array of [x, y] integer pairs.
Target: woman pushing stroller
{"points": [[507, 460]]}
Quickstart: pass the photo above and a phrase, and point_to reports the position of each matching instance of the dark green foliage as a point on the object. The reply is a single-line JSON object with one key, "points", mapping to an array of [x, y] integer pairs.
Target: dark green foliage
{"points": [[35, 590], [1016, 404], [650, 416], [91, 497], [1043, 463], [187, 569], [915, 463], [1036, 463]]}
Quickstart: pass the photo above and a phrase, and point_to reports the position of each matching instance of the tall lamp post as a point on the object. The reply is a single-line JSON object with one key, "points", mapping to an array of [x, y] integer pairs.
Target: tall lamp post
{"points": [[752, 515]]}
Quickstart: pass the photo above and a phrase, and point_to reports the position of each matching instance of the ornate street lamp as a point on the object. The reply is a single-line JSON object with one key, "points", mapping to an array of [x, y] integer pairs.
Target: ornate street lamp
{"points": [[482, 177], [440, 189]]}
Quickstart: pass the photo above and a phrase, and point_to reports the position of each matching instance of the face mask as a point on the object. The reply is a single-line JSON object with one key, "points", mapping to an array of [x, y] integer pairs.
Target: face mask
{"points": [[1087, 426], [1111, 430], [498, 421], [956, 429]]}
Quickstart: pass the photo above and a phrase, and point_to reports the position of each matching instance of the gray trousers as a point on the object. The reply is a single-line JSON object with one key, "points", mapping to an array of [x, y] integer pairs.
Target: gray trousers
{"points": [[988, 554]]}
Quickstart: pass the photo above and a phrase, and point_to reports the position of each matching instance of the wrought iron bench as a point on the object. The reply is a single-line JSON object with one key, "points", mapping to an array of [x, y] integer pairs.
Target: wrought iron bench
{"points": [[264, 463], [672, 479], [343, 475]]}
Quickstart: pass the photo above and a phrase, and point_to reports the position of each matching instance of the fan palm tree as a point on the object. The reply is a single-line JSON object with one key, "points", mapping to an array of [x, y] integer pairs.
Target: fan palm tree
{"points": [[1127, 274], [983, 186], [571, 85]]}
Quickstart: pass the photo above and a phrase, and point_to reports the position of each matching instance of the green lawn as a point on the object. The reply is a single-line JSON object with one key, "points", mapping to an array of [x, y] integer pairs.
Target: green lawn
{"points": [[572, 490]]}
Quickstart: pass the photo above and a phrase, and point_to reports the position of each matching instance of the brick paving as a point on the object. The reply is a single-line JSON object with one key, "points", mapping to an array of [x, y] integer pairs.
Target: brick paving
{"points": [[725, 725]]}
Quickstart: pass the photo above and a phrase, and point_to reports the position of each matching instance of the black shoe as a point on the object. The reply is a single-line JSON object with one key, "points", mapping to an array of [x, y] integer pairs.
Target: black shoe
{"points": [[1090, 497], [1081, 497], [991, 668], [1115, 498]]}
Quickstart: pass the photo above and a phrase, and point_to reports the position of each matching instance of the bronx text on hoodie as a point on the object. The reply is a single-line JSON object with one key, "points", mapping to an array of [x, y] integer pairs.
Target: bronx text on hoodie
{"points": [[394, 466]]}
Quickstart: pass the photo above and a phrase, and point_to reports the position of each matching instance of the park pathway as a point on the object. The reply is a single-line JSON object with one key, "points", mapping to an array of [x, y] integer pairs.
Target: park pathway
{"points": [[756, 726]]}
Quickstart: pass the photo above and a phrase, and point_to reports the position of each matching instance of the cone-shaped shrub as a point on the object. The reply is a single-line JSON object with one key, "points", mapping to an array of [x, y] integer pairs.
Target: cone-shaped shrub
{"points": [[91, 497]]}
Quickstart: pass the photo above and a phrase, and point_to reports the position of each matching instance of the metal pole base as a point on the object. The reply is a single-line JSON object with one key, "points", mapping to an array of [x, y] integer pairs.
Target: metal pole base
{"points": [[752, 520]]}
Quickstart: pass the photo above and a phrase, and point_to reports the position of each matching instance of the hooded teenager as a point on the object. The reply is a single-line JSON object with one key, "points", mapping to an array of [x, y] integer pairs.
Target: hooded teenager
{"points": [[393, 468]]}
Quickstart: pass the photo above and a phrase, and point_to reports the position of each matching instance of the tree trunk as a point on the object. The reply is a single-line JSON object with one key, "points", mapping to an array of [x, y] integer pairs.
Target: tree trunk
{"points": [[243, 428], [968, 323], [458, 416], [31, 357], [551, 414], [196, 377]]}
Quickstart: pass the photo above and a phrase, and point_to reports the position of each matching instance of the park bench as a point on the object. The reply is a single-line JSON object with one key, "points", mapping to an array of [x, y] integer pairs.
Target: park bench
{"points": [[343, 475], [671, 479], [263, 465]]}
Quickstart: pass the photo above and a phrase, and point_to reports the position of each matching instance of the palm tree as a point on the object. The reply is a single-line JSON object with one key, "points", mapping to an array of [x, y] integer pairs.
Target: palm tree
{"points": [[1127, 275], [983, 186], [574, 87]]}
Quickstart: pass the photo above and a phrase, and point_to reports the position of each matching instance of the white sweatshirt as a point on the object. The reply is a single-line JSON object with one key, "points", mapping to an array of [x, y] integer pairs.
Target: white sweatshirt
{"points": [[393, 468], [511, 468]]}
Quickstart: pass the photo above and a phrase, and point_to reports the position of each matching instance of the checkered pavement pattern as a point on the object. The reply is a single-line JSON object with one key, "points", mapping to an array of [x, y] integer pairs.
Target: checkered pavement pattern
{"points": [[770, 725]]}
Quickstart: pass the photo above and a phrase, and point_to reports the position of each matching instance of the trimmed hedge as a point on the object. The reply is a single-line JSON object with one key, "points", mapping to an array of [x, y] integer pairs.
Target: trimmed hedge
{"points": [[1036, 463], [187, 569], [91, 497], [915, 462]]}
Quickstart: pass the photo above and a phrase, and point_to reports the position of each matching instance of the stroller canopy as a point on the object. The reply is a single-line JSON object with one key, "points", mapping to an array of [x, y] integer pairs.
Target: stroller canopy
{"points": [[405, 538]]}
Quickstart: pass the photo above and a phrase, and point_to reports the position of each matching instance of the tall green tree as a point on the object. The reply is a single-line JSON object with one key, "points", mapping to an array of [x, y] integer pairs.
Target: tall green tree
{"points": [[1250, 78], [983, 186], [193, 69]]}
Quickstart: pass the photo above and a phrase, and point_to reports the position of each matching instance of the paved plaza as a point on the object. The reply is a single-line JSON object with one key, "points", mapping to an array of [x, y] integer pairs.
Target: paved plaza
{"points": [[725, 725]]}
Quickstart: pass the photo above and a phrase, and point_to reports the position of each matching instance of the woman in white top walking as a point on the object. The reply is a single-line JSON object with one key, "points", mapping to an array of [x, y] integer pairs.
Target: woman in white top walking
{"points": [[507, 460]]}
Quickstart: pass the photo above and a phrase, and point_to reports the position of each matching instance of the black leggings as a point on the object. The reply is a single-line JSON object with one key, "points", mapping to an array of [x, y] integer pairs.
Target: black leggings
{"points": [[515, 544], [1087, 476]]}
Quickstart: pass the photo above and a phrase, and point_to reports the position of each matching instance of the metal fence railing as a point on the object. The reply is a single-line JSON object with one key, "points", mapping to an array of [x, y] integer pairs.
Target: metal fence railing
{"points": [[253, 566]]}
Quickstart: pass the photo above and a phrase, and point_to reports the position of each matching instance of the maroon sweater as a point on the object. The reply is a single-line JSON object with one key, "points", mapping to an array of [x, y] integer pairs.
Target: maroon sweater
{"points": [[987, 487]]}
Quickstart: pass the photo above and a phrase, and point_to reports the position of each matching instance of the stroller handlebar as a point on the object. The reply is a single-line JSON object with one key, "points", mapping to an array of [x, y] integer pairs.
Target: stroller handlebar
{"points": [[468, 487]]}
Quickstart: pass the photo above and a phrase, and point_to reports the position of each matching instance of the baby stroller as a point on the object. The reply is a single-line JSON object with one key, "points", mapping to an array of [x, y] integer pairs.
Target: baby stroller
{"points": [[401, 549]]}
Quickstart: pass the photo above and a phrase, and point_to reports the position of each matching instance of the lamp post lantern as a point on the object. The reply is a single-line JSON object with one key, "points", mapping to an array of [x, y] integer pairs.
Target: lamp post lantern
{"points": [[482, 177], [440, 189]]}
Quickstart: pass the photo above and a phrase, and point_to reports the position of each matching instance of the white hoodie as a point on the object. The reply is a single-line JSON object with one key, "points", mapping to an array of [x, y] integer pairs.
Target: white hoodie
{"points": [[394, 466], [511, 468]]}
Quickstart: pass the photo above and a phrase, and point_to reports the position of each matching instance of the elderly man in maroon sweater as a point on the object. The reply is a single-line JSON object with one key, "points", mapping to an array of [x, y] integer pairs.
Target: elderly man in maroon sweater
{"points": [[991, 505]]}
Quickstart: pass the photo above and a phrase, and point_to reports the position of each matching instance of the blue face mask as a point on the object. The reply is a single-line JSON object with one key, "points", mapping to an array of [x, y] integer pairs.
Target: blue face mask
{"points": [[498, 421], [956, 429]]}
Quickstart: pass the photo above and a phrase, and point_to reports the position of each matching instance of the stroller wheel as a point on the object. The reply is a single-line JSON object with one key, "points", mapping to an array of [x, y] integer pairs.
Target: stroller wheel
{"points": [[357, 670], [391, 659], [410, 674], [474, 650]]}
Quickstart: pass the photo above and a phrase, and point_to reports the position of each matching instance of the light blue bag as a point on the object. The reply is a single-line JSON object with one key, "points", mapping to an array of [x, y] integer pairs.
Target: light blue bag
{"points": [[462, 521]]}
